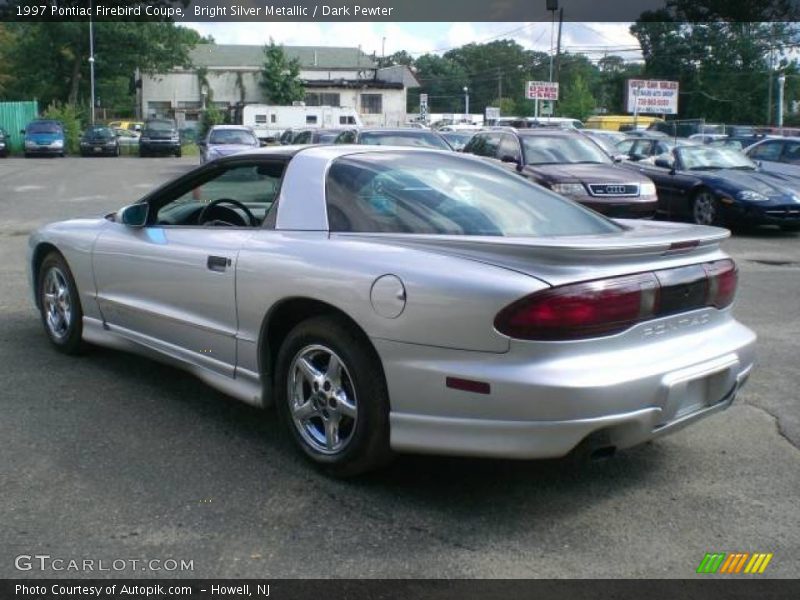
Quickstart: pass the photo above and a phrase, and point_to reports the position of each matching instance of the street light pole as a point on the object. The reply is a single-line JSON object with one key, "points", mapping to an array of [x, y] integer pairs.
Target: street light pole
{"points": [[466, 100], [781, 85], [91, 60]]}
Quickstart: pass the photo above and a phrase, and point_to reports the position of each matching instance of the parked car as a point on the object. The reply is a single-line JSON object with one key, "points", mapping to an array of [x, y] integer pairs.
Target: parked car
{"points": [[457, 139], [641, 148], [721, 186], [434, 302], [99, 140], [44, 137], [223, 140], [314, 136], [135, 126], [5, 143], [569, 164], [607, 142], [777, 155], [420, 138], [160, 136], [127, 138]]}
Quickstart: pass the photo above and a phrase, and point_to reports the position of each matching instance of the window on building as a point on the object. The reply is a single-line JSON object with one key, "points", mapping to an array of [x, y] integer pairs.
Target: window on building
{"points": [[261, 119], [347, 120], [311, 119], [188, 105], [372, 104], [159, 109], [273, 118], [322, 99]]}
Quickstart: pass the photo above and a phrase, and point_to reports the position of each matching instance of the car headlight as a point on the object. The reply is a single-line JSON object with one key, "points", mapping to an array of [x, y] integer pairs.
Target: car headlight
{"points": [[30, 144], [569, 189], [58, 143], [751, 196], [144, 139], [647, 189]]}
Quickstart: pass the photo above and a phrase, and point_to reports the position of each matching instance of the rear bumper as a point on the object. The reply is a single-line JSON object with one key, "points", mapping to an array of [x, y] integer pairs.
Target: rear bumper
{"points": [[546, 398], [542, 439]]}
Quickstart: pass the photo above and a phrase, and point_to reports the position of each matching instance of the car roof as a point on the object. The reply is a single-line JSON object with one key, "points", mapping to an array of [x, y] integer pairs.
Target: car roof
{"points": [[233, 127]]}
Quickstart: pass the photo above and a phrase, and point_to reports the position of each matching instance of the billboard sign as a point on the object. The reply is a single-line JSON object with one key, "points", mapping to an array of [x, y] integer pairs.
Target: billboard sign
{"points": [[651, 96], [492, 113], [542, 90]]}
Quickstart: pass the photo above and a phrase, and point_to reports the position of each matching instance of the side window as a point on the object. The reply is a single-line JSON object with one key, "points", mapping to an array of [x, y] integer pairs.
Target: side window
{"points": [[767, 151], [508, 147], [475, 145], [311, 119], [347, 137], [304, 137], [791, 153], [255, 186]]}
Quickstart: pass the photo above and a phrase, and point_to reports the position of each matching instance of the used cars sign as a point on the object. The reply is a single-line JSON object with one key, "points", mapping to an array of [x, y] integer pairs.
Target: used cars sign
{"points": [[652, 96]]}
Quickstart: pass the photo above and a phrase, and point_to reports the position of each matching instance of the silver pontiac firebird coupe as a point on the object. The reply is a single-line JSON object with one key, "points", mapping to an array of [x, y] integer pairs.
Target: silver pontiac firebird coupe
{"points": [[406, 300]]}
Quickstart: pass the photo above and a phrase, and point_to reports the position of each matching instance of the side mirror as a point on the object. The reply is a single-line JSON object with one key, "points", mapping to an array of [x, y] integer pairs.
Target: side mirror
{"points": [[134, 215], [664, 163], [22, 131]]}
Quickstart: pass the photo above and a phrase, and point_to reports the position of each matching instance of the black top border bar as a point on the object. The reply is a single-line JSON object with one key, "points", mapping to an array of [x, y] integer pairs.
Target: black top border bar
{"points": [[400, 10]]}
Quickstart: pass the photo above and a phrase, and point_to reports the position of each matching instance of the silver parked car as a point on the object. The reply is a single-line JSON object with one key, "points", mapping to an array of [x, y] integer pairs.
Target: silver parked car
{"points": [[392, 299], [224, 140]]}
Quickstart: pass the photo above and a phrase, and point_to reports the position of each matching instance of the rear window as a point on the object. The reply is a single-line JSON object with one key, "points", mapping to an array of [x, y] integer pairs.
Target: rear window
{"points": [[413, 137], [430, 193], [44, 127]]}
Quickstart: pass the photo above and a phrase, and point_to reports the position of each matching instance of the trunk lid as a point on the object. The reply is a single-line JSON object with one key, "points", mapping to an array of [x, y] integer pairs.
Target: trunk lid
{"points": [[642, 246]]}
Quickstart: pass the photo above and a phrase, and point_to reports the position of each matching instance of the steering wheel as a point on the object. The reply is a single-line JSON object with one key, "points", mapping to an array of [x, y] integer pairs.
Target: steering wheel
{"points": [[207, 209]]}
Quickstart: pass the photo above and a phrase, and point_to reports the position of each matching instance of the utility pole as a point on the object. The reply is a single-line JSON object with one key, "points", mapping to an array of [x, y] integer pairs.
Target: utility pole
{"points": [[91, 60], [781, 84], [552, 6], [499, 82]]}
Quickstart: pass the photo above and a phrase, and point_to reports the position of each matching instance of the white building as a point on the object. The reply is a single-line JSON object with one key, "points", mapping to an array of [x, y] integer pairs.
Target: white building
{"points": [[229, 75]]}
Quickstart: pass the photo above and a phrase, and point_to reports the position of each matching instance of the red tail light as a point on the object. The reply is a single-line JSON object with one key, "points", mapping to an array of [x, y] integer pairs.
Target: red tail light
{"points": [[607, 306]]}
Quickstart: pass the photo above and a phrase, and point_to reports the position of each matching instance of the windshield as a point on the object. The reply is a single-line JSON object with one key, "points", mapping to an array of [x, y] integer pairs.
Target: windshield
{"points": [[699, 158], [99, 132], [421, 193], [233, 136], [605, 144], [43, 128], [412, 137], [160, 126], [561, 149], [327, 137]]}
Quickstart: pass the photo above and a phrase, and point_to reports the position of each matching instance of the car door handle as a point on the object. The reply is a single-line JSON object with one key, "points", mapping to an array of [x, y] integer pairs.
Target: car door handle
{"points": [[218, 263]]}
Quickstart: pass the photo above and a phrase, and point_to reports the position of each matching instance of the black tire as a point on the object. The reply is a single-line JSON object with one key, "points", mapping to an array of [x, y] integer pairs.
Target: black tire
{"points": [[792, 227], [27, 155], [179, 153], [68, 339], [142, 153], [360, 388], [706, 209]]}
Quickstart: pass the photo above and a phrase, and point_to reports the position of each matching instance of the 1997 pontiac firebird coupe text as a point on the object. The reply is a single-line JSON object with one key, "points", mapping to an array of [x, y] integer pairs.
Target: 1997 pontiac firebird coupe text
{"points": [[406, 300]]}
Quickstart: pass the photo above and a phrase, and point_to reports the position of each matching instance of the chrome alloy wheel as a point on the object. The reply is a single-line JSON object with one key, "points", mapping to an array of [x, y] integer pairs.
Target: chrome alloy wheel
{"points": [[322, 399], [705, 209], [57, 303]]}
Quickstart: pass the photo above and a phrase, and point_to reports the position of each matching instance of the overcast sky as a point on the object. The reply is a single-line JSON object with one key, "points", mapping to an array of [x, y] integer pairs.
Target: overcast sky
{"points": [[419, 38]]}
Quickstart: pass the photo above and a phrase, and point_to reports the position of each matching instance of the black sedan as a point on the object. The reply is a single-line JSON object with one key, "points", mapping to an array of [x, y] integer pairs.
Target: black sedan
{"points": [[721, 186], [99, 140]]}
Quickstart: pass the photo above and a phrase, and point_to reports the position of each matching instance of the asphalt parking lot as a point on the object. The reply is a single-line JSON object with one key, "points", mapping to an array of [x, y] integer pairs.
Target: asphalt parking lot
{"points": [[111, 456]]}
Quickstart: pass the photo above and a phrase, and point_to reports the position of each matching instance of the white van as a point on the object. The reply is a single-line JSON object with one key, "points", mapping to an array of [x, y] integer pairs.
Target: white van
{"points": [[268, 122]]}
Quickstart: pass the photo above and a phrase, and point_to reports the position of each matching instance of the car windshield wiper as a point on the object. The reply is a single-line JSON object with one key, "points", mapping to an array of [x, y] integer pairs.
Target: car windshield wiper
{"points": [[743, 168], [706, 168]]}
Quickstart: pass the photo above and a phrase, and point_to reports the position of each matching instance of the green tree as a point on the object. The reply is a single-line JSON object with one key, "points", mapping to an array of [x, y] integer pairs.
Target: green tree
{"points": [[578, 101], [443, 80], [724, 54], [280, 76], [50, 61]]}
